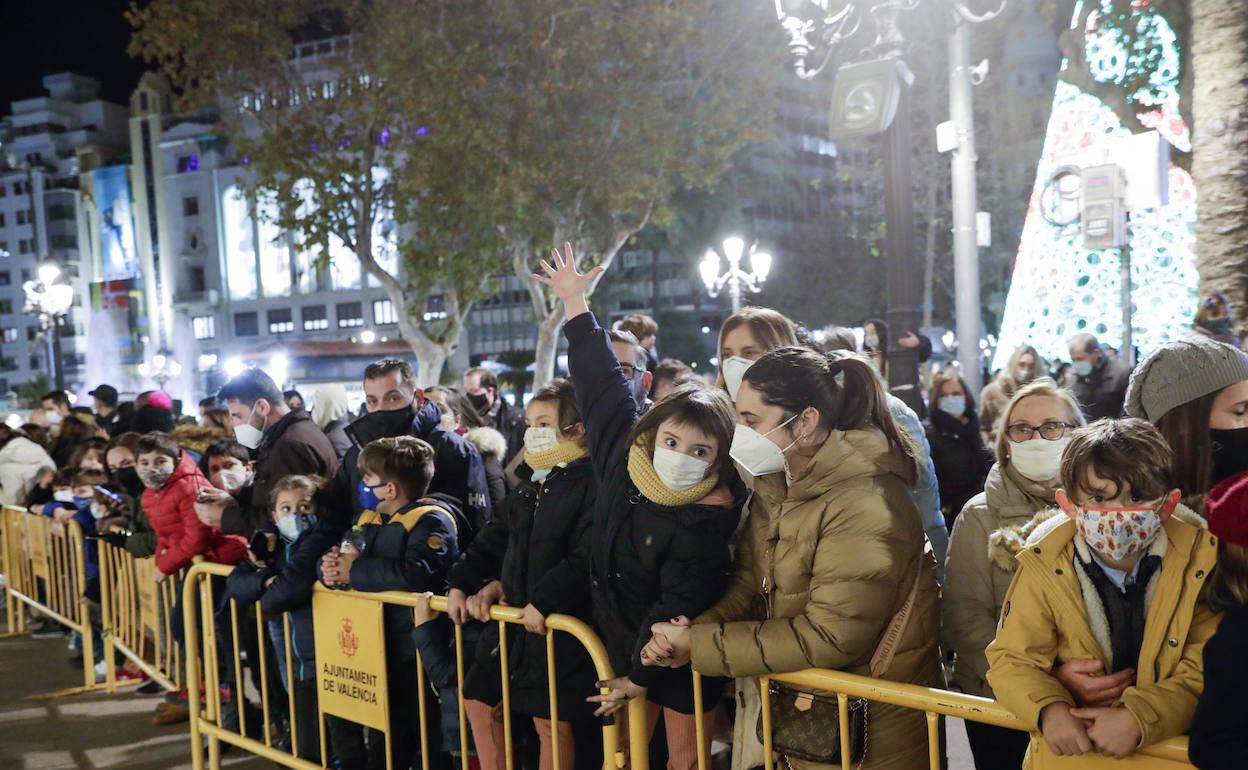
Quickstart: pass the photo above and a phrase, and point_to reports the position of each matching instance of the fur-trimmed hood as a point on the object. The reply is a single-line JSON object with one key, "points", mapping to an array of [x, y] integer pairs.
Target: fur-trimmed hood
{"points": [[197, 438], [489, 442]]}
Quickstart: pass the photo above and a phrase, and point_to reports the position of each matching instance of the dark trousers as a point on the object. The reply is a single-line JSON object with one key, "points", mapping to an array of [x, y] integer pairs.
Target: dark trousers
{"points": [[354, 752], [996, 748], [305, 720]]}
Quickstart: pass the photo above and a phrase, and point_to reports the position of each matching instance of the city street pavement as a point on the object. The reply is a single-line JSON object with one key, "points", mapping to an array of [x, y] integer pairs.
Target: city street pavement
{"points": [[89, 731]]}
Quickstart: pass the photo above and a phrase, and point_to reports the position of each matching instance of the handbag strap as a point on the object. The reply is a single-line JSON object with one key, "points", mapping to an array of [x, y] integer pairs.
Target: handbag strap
{"points": [[883, 657]]}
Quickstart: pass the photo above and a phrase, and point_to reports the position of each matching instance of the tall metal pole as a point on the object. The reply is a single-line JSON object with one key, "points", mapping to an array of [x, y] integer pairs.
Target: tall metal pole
{"points": [[965, 242], [1127, 353], [58, 365], [902, 275]]}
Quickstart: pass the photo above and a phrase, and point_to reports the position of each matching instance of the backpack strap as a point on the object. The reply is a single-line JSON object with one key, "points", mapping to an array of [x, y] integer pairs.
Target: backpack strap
{"points": [[883, 657]]}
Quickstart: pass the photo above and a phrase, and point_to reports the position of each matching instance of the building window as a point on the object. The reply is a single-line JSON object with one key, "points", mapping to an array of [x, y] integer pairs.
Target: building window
{"points": [[1, 219], [18, 188], [32, 333], [6, 278], [4, 249], [204, 326], [23, 246], [246, 324], [315, 318], [6, 307], [281, 321], [188, 163], [9, 334], [61, 212], [207, 362], [350, 314], [34, 362], [190, 206], [383, 312], [22, 217]]}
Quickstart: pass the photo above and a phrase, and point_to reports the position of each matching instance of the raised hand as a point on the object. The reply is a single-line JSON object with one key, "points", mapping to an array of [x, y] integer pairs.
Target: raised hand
{"points": [[569, 284]]}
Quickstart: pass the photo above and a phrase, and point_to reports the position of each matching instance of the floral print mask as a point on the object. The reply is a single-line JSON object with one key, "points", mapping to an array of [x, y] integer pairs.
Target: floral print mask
{"points": [[1117, 532]]}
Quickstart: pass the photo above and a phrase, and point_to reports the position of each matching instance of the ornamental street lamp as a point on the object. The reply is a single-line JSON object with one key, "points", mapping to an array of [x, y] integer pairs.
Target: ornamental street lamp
{"points": [[162, 368], [49, 298], [735, 280]]}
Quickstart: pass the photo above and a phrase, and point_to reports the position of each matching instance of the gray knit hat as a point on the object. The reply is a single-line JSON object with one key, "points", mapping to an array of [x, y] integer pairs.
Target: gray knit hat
{"points": [[1182, 371]]}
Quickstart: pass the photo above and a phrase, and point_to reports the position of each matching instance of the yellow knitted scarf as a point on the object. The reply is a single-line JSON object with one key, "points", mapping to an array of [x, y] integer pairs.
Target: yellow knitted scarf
{"points": [[561, 453], [641, 471]]}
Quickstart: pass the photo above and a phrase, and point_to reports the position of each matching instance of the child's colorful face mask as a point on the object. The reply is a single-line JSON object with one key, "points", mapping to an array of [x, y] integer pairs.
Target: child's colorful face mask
{"points": [[1117, 532]]}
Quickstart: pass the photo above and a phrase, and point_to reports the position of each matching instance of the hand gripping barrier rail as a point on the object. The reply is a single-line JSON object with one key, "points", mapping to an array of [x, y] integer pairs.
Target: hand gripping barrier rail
{"points": [[208, 720], [46, 569]]}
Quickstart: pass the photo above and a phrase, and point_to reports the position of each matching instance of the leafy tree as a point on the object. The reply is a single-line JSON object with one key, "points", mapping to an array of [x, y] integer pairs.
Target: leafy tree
{"points": [[341, 150]]}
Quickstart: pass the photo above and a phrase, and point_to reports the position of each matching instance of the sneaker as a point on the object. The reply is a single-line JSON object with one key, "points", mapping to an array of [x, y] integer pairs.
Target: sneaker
{"points": [[101, 671], [48, 629], [151, 687]]}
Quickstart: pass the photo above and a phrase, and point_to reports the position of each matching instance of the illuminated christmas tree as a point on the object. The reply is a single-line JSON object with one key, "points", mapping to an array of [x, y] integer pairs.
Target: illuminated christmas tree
{"points": [[1130, 69]]}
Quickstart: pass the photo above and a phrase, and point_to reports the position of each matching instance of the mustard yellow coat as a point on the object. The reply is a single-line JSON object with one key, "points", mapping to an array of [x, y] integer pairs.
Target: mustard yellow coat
{"points": [[835, 554], [1052, 615]]}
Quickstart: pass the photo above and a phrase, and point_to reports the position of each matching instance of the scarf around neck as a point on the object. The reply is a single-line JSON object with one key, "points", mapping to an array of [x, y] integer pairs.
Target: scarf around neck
{"points": [[560, 454], [643, 475]]}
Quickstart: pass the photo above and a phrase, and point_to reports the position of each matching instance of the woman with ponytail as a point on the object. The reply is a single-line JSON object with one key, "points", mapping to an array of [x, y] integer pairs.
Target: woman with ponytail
{"points": [[669, 499], [832, 569]]}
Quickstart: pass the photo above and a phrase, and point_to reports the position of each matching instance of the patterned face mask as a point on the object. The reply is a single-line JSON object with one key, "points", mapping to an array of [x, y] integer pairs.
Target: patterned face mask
{"points": [[1117, 532]]}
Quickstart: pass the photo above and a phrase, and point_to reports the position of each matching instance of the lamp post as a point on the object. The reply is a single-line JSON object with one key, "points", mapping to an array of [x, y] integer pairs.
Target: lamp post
{"points": [[735, 279], [162, 368], [49, 298], [870, 97]]}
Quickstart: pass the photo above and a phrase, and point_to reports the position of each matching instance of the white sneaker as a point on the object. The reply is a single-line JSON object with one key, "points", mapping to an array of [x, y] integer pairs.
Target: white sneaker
{"points": [[101, 671]]}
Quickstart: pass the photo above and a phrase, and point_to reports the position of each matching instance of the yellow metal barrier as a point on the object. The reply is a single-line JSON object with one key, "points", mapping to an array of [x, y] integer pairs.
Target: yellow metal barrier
{"points": [[207, 719], [47, 570], [136, 614], [935, 703]]}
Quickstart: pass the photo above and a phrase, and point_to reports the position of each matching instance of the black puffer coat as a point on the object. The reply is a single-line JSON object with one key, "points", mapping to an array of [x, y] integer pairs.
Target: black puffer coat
{"points": [[649, 563], [962, 461], [530, 546]]}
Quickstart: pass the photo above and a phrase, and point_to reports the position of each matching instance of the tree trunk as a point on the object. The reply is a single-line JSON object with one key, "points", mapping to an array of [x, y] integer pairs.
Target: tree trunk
{"points": [[1219, 48], [547, 347], [430, 359]]}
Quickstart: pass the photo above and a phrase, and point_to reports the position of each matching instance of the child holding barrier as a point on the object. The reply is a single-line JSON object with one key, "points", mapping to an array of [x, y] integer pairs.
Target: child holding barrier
{"points": [[401, 541], [280, 577], [669, 499], [1118, 579], [526, 556]]}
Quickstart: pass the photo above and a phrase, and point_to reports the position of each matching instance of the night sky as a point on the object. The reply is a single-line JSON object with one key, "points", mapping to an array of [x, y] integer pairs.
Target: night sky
{"points": [[84, 36]]}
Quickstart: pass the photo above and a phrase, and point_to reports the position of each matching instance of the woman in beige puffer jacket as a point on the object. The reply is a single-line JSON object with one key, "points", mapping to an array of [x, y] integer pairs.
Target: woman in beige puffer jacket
{"points": [[832, 549]]}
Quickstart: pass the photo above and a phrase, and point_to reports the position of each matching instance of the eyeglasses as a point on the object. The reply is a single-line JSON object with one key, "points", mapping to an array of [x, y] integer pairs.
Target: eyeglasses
{"points": [[629, 371], [1049, 431]]}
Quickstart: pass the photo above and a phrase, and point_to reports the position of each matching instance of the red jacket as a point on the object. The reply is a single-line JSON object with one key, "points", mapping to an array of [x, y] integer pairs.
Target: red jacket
{"points": [[180, 535]]}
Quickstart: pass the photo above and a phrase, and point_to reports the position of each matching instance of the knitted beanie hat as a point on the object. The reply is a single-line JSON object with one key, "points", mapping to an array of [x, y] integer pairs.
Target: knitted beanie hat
{"points": [[1227, 509], [1180, 372]]}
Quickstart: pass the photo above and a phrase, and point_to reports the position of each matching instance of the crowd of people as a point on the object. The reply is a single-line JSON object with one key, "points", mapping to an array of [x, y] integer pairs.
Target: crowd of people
{"points": [[1072, 541]]}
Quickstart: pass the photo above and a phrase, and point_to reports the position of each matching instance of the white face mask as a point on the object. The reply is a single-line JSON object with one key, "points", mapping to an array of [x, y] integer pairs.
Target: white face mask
{"points": [[677, 470], [231, 480], [63, 495], [292, 525], [954, 406], [871, 341], [247, 434], [98, 511], [756, 453], [54, 418], [1081, 368], [1038, 459], [538, 440], [733, 370]]}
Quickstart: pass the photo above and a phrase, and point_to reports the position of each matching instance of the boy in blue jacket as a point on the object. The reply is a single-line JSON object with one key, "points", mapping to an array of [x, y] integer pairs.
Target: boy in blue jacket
{"points": [[407, 542]]}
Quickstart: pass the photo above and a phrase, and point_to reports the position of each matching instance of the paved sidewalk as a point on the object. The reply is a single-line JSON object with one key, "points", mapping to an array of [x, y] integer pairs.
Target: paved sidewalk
{"points": [[92, 731]]}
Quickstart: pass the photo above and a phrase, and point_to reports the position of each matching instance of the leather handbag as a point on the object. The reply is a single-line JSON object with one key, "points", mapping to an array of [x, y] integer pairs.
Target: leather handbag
{"points": [[807, 726]]}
